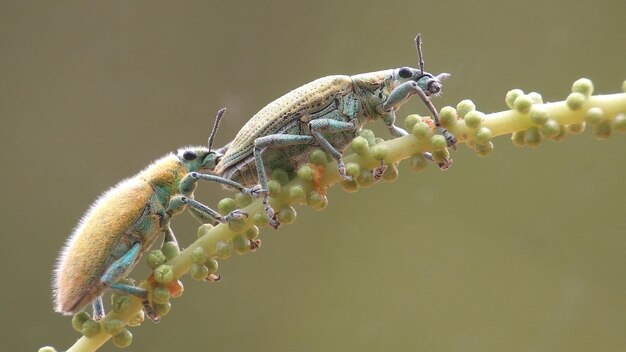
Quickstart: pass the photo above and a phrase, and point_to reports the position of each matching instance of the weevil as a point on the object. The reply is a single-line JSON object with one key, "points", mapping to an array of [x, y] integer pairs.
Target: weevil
{"points": [[125, 221], [326, 113]]}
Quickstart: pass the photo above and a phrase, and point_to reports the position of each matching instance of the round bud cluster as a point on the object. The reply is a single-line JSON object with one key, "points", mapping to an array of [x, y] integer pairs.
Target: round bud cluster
{"points": [[122, 339], [79, 319], [170, 249], [581, 90], [448, 117], [223, 249], [47, 349], [464, 107], [120, 302]]}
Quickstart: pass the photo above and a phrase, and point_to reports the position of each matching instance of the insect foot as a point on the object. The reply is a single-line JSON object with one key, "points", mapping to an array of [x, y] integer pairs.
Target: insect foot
{"points": [[450, 138]]}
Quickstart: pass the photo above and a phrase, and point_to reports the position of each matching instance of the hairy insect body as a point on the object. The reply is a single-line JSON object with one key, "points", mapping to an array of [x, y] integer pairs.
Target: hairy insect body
{"points": [[125, 221]]}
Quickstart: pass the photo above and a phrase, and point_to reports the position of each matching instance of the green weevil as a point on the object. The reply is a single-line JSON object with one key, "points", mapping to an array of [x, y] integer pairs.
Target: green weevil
{"points": [[125, 221], [326, 113]]}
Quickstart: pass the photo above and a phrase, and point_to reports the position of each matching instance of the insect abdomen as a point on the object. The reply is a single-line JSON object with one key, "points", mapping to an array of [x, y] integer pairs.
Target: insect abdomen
{"points": [[99, 240]]}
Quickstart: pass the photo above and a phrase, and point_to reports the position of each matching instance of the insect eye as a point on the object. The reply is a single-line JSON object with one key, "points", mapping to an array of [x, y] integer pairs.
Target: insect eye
{"points": [[405, 72], [189, 155]]}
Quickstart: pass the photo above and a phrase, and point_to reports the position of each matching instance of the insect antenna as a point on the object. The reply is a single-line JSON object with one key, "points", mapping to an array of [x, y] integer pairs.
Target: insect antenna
{"points": [[418, 44], [216, 125]]}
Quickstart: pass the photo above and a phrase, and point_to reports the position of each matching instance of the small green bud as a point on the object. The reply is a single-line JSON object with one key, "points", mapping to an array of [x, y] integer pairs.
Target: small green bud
{"points": [[261, 219], [538, 114], [123, 339], [484, 149], [120, 302], [411, 120], [297, 193], [226, 205], [418, 163], [602, 130], [365, 178], [473, 119], [353, 169], [350, 186], [281, 176], [438, 142], [378, 140], [518, 138], [162, 309], [575, 101], [137, 319], [252, 233], [79, 319], [483, 135], [316, 200], [237, 224], [223, 249], [160, 295], [420, 130], [199, 272], [359, 146], [91, 328], [561, 136], [369, 136], [47, 349], [594, 115], [447, 117], [212, 265], [113, 326], [535, 97], [511, 96], [391, 173], [319, 157], [241, 245], [274, 187], [379, 151], [164, 274], [305, 173], [286, 215], [550, 129], [583, 86], [199, 255], [532, 137], [576, 128], [242, 200], [170, 249], [155, 258], [522, 104], [464, 107], [439, 156], [204, 229], [619, 122]]}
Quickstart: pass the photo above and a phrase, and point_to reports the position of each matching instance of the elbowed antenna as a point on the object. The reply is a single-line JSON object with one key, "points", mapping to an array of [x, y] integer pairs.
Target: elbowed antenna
{"points": [[216, 125], [418, 44]]}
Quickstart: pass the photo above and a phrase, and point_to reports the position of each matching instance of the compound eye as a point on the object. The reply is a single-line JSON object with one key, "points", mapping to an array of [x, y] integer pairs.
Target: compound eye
{"points": [[189, 155], [405, 72]]}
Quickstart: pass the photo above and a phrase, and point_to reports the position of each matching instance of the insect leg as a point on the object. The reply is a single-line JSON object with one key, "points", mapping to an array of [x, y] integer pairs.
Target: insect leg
{"points": [[180, 201], [331, 126], [98, 308], [273, 141], [403, 92], [118, 270]]}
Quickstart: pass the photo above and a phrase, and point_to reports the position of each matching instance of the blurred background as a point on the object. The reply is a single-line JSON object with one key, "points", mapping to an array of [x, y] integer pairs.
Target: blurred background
{"points": [[524, 250]]}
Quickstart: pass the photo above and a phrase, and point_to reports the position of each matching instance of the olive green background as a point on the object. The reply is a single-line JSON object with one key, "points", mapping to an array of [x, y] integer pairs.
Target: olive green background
{"points": [[522, 251]]}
